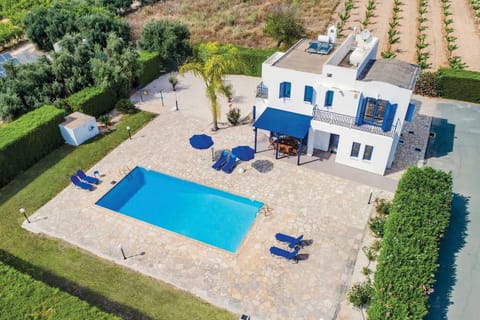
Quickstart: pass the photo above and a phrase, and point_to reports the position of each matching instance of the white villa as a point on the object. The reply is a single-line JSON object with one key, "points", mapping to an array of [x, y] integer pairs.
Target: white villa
{"points": [[337, 97]]}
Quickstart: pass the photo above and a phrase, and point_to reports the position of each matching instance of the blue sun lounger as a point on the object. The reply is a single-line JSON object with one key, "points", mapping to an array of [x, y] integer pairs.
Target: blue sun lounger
{"points": [[289, 255], [232, 161], [292, 241], [86, 178], [221, 161], [79, 184]]}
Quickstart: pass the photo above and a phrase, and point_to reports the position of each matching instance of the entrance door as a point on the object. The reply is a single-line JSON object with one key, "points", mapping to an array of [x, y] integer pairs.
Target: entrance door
{"points": [[333, 145]]}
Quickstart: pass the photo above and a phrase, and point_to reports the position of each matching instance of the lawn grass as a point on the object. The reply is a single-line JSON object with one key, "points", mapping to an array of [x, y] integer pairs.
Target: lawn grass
{"points": [[103, 284]]}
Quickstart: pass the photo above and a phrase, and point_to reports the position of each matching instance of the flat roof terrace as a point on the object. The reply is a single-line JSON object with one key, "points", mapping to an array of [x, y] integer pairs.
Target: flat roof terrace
{"points": [[297, 58]]}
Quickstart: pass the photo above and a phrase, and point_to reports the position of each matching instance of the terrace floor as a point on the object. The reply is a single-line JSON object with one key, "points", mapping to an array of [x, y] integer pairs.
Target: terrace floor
{"points": [[331, 210]]}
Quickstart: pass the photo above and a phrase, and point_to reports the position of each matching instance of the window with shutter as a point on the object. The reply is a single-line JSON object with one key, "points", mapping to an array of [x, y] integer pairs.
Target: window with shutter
{"points": [[410, 111], [308, 95], [329, 98]]}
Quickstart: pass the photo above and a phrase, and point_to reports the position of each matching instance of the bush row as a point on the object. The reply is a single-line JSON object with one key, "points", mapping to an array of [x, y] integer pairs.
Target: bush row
{"points": [[407, 264], [27, 139], [93, 101], [26, 298], [452, 84], [149, 67], [252, 59]]}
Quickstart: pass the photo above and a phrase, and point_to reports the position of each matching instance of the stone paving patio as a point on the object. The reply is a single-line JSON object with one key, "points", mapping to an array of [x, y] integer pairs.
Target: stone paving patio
{"points": [[332, 210]]}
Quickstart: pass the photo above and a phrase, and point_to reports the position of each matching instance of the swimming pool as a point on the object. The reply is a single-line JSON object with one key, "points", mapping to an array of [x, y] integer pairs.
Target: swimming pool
{"points": [[209, 215]]}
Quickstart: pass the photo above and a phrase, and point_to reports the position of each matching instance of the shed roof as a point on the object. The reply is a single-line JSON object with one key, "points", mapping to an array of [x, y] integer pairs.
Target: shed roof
{"points": [[76, 119], [396, 72]]}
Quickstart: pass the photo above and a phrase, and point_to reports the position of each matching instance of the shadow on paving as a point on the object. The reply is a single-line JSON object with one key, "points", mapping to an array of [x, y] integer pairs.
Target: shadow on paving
{"points": [[441, 139], [451, 245], [66, 285]]}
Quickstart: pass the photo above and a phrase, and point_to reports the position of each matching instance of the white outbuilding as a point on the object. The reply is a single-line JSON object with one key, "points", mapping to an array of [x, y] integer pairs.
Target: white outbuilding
{"points": [[78, 128]]}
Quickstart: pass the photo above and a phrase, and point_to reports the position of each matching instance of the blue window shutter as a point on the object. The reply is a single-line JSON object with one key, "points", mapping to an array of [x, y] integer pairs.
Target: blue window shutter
{"points": [[329, 98], [282, 90], [288, 87], [362, 102], [389, 116], [308, 96], [410, 110]]}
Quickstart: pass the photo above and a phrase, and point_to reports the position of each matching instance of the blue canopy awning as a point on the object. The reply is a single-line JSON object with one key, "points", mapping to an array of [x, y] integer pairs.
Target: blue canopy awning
{"points": [[284, 122]]}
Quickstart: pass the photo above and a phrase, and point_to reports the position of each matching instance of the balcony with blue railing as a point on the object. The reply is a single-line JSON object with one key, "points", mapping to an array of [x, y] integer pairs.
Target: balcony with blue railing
{"points": [[349, 122], [262, 91]]}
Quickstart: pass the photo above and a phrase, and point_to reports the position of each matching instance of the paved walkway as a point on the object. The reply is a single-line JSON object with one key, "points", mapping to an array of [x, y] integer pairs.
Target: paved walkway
{"points": [[331, 210]]}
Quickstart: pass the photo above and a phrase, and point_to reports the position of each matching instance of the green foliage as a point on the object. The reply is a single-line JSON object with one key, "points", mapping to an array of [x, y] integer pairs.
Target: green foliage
{"points": [[31, 299], [105, 119], [115, 66], [173, 80], [377, 225], [427, 84], [459, 85], [170, 39], [93, 101], [118, 6], [45, 26], [9, 32], [125, 106], [407, 263], [382, 206], [233, 116], [252, 60], [360, 294], [26, 140], [149, 67], [283, 26]]}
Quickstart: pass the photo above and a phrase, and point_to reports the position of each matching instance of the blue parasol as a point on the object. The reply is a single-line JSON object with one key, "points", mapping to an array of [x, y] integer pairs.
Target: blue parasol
{"points": [[201, 141], [244, 153]]}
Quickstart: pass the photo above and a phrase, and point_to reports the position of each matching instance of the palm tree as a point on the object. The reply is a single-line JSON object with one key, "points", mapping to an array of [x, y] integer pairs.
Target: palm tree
{"points": [[212, 63]]}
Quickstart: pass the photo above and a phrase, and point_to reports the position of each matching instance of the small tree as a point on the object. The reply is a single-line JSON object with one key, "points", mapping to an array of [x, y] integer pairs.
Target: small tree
{"points": [[227, 90], [170, 39], [283, 26], [233, 116], [360, 295], [173, 81], [106, 120]]}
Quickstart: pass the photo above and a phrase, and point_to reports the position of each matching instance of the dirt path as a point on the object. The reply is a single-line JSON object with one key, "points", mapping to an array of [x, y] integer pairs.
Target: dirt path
{"points": [[379, 25], [467, 33], [407, 29], [435, 35]]}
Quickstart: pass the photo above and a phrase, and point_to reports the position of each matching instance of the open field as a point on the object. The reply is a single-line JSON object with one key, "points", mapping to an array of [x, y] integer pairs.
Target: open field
{"points": [[242, 22]]}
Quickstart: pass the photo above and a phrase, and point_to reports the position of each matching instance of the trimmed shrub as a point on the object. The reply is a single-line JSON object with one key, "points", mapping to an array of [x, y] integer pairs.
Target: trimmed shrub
{"points": [[233, 116], [125, 106], [93, 101], [459, 85], [27, 139], [252, 60], [149, 67], [26, 298], [407, 264], [377, 225]]}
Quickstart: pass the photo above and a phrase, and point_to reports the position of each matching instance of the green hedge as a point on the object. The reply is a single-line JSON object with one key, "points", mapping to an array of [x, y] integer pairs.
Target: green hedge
{"points": [[459, 85], [253, 59], [27, 139], [149, 67], [408, 260], [25, 298], [93, 101]]}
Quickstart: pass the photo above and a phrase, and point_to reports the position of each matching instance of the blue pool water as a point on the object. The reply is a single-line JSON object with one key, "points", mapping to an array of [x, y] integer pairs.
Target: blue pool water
{"points": [[206, 214]]}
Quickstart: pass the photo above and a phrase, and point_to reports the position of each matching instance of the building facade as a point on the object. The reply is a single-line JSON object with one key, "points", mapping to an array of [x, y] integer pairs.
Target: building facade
{"points": [[358, 103]]}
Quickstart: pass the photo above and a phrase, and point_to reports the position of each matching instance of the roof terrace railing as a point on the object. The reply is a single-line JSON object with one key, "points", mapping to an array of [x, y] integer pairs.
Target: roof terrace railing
{"points": [[349, 122]]}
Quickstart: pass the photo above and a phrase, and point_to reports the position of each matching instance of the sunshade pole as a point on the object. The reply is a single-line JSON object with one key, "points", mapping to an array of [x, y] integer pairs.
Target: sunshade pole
{"points": [[300, 142], [255, 142], [276, 145]]}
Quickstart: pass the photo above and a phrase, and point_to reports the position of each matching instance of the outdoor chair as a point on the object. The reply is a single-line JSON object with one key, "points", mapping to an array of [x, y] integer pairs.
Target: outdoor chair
{"points": [[79, 184], [289, 255], [221, 161], [86, 178], [232, 162], [292, 241]]}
